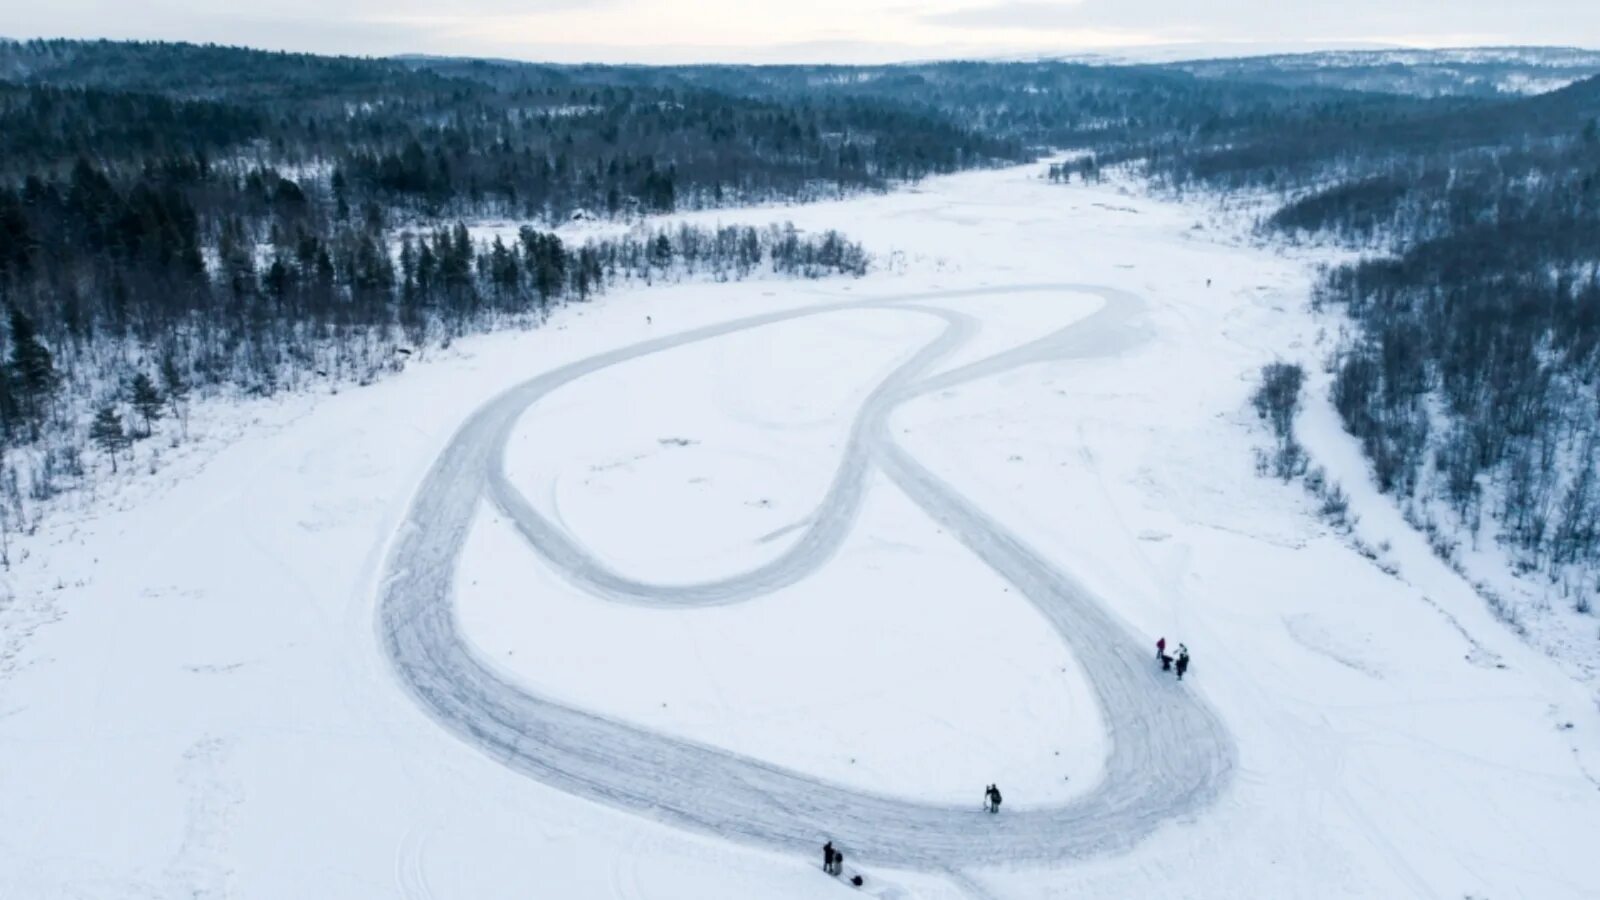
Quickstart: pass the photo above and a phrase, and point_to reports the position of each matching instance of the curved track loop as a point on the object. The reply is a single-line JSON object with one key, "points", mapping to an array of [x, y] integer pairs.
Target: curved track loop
{"points": [[1169, 754]]}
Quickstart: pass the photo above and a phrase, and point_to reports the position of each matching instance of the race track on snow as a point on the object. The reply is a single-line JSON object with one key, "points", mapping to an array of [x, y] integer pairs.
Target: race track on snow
{"points": [[1169, 755]]}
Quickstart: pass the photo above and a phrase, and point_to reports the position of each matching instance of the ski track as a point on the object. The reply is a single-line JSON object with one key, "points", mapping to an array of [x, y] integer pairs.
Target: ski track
{"points": [[1169, 755]]}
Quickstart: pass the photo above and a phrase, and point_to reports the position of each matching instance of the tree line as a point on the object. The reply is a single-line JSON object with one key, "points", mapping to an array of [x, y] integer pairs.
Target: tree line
{"points": [[181, 220], [1472, 378], [260, 216], [299, 311]]}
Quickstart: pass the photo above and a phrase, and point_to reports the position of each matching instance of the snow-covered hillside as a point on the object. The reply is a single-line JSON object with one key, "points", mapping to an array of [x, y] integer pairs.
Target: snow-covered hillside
{"points": [[1473, 71], [976, 486]]}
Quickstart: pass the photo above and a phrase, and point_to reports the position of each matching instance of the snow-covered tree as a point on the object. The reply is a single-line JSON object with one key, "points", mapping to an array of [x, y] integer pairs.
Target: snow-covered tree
{"points": [[147, 400], [31, 370], [108, 434]]}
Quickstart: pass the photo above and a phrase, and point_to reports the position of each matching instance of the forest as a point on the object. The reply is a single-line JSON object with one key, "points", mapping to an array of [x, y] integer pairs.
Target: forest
{"points": [[179, 222], [178, 218], [1472, 378]]}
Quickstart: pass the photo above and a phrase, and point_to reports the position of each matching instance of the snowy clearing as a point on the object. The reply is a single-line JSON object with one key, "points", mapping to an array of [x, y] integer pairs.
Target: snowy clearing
{"points": [[197, 696], [1172, 757]]}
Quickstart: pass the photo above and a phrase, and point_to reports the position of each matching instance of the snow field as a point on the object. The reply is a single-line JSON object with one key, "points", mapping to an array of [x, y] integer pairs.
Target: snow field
{"points": [[692, 463], [715, 470], [904, 667], [201, 708]]}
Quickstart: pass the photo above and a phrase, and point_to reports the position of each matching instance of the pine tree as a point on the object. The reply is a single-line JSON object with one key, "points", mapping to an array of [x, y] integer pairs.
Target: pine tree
{"points": [[10, 412], [661, 251], [32, 369], [107, 433], [147, 400]]}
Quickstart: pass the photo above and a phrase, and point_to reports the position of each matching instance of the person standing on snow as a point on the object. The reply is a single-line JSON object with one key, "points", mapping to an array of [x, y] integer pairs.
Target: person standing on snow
{"points": [[994, 798], [827, 857], [1183, 661], [1161, 647]]}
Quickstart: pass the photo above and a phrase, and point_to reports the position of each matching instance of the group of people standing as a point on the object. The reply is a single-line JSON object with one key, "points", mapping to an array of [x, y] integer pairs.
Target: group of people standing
{"points": [[833, 860], [1167, 662], [833, 864]]}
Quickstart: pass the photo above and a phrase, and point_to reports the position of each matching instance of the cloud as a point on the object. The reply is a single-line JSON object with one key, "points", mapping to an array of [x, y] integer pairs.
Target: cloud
{"points": [[1019, 14], [782, 30], [480, 8], [1428, 21]]}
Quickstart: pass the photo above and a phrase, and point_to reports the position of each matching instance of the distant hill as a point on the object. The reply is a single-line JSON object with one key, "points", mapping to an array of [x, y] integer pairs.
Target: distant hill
{"points": [[1467, 72]]}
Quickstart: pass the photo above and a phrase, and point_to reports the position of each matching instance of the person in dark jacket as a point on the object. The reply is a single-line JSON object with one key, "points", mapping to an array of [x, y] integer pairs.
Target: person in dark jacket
{"points": [[994, 798], [1183, 662], [827, 857]]}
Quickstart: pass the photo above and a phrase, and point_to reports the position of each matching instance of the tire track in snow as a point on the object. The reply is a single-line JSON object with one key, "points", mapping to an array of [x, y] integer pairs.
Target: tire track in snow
{"points": [[1168, 753]]}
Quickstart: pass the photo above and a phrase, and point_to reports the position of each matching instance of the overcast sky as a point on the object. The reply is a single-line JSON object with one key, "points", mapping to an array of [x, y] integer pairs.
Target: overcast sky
{"points": [[802, 30]]}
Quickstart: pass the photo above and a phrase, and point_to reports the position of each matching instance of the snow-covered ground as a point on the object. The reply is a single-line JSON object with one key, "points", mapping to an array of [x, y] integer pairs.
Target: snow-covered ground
{"points": [[195, 701], [734, 446]]}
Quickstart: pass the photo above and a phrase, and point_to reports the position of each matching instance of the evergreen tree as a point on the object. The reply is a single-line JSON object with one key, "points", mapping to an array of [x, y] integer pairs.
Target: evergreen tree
{"points": [[147, 400], [32, 369], [661, 251], [107, 433]]}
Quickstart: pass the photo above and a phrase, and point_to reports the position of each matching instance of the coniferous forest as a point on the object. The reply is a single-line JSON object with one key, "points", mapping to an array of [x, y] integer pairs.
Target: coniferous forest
{"points": [[1472, 378], [179, 219]]}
